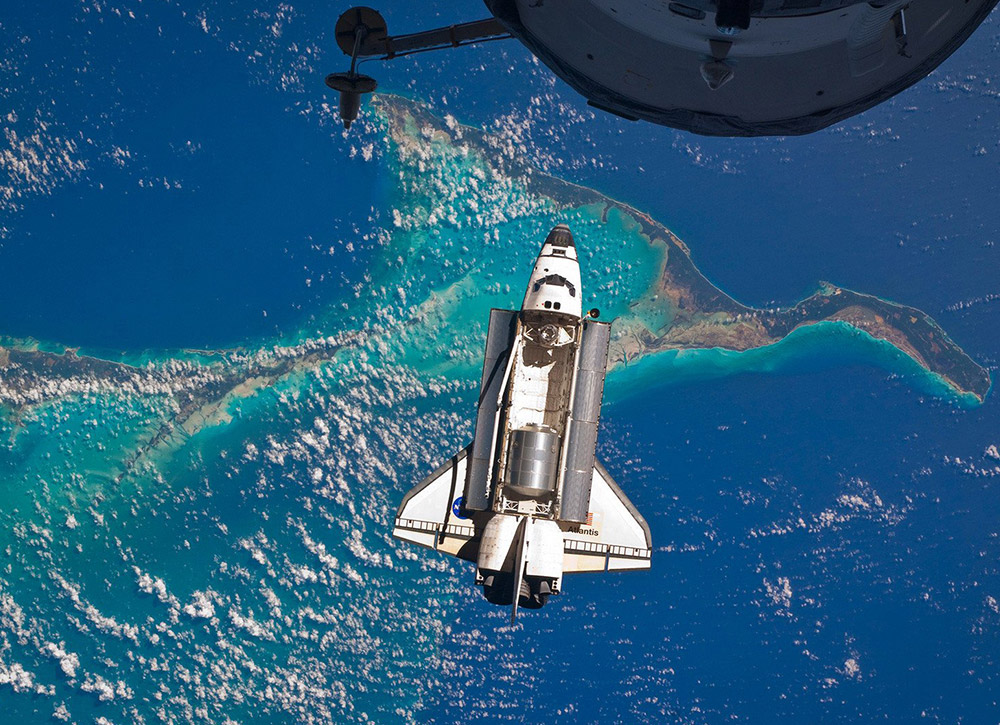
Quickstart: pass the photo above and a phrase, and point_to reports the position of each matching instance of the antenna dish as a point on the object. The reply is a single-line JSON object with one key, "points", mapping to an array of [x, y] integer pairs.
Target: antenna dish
{"points": [[351, 87], [372, 26], [359, 32]]}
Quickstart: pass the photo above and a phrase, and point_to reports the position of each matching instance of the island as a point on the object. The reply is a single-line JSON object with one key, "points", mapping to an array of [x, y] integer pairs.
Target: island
{"points": [[690, 312], [678, 310]]}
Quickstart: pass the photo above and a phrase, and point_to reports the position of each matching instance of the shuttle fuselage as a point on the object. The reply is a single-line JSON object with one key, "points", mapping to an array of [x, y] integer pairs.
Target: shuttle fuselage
{"points": [[527, 500]]}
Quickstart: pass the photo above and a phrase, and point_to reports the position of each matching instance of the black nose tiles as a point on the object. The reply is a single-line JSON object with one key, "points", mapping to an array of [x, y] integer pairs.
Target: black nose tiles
{"points": [[560, 236]]}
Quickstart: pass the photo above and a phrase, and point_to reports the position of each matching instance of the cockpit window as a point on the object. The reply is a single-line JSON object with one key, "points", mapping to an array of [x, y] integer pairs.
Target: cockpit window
{"points": [[558, 281]]}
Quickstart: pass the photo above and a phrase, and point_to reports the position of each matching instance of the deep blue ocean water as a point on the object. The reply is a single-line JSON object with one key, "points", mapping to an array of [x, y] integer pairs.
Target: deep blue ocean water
{"points": [[824, 520], [219, 213]]}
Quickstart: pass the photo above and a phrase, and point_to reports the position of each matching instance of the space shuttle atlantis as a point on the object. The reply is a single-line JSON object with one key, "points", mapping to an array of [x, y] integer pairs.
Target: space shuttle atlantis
{"points": [[528, 501]]}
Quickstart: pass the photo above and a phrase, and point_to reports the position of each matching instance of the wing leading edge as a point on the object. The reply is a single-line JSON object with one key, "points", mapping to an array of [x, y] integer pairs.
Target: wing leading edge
{"points": [[614, 538], [431, 515]]}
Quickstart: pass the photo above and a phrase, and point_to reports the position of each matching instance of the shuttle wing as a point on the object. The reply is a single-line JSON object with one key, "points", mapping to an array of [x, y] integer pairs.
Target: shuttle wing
{"points": [[615, 536], [432, 513]]}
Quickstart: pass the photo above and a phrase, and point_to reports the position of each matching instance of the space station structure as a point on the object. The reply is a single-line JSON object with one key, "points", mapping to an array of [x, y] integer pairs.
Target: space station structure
{"points": [[713, 67], [527, 501]]}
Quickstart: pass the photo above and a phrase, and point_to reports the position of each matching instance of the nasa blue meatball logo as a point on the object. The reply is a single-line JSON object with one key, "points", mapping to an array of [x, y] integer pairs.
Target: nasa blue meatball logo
{"points": [[458, 507]]}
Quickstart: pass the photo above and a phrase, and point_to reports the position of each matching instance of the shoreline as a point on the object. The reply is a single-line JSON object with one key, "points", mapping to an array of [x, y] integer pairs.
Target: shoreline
{"points": [[680, 310], [699, 314], [692, 365]]}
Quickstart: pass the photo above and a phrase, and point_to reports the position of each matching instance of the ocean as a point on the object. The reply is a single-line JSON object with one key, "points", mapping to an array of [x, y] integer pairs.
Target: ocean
{"points": [[822, 510]]}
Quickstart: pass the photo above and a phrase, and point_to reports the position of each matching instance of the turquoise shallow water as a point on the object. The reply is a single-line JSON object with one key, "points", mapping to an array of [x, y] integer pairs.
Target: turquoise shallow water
{"points": [[241, 567]]}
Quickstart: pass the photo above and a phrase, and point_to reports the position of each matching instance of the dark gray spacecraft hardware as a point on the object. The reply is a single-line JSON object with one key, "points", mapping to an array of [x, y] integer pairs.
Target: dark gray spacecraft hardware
{"points": [[714, 67]]}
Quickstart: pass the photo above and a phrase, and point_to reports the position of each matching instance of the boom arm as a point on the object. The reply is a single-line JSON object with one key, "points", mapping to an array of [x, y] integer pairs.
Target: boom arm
{"points": [[395, 46], [362, 33]]}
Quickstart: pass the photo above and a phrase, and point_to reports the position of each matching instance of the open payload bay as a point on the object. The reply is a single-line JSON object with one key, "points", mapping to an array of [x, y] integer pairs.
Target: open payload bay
{"points": [[528, 501]]}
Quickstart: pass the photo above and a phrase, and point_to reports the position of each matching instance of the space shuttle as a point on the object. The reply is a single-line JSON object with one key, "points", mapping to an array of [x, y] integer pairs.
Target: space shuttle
{"points": [[527, 501]]}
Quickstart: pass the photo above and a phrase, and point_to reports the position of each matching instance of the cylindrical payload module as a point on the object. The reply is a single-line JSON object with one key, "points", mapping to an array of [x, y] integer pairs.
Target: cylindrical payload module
{"points": [[533, 462]]}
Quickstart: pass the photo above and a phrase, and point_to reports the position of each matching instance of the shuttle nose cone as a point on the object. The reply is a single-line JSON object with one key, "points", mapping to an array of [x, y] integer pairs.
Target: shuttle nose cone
{"points": [[560, 236]]}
